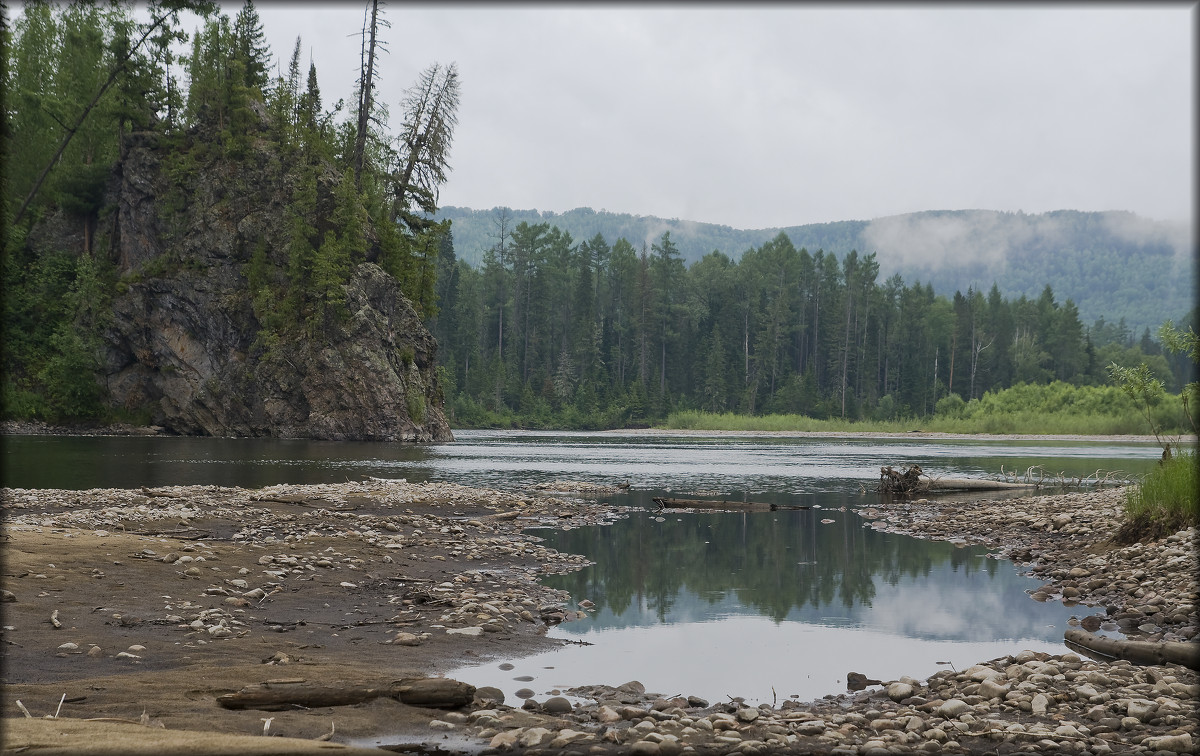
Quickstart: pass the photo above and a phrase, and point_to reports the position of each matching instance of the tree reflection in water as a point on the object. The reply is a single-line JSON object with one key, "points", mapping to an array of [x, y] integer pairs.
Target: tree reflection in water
{"points": [[782, 565]]}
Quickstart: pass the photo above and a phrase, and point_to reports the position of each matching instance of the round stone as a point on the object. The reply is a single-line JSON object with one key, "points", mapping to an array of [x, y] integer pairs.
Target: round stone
{"points": [[556, 705]]}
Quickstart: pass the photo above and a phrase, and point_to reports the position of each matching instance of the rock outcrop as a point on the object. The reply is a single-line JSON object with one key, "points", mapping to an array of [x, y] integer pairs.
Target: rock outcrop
{"points": [[184, 346]]}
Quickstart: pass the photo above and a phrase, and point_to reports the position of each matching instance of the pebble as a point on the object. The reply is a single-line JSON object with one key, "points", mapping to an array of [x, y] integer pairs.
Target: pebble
{"points": [[953, 708], [464, 631], [899, 691]]}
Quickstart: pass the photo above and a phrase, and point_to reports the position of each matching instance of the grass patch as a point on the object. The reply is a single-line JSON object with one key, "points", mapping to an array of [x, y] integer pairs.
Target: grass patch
{"points": [[1165, 502], [1030, 423], [728, 421], [1035, 423]]}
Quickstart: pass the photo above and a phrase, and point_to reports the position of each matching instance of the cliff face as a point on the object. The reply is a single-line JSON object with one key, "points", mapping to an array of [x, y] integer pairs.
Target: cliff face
{"points": [[185, 344]]}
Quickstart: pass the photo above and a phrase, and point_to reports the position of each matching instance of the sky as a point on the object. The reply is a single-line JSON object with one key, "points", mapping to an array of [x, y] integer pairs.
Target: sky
{"points": [[774, 115]]}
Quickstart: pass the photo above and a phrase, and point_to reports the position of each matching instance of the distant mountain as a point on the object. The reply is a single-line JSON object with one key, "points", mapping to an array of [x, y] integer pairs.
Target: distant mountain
{"points": [[1111, 264]]}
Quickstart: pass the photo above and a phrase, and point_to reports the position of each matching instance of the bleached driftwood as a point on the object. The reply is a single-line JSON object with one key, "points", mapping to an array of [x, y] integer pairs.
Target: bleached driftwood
{"points": [[1139, 652], [279, 695], [914, 481]]}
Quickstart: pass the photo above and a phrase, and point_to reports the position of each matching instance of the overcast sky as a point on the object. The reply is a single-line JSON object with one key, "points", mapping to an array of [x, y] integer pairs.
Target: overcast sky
{"points": [[780, 115]]}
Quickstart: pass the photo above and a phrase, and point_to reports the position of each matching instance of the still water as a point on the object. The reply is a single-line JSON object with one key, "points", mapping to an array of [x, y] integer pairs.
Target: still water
{"points": [[764, 605]]}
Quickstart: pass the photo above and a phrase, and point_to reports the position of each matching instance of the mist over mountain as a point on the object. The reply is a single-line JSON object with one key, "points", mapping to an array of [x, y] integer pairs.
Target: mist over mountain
{"points": [[1112, 264]]}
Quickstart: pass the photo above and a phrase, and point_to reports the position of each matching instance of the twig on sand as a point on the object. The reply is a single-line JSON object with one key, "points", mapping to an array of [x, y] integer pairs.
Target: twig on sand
{"points": [[24, 711], [60, 703]]}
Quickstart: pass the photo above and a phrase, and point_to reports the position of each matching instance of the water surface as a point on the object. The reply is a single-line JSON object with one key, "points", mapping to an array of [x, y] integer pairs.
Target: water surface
{"points": [[514, 459], [769, 605], [763, 605]]}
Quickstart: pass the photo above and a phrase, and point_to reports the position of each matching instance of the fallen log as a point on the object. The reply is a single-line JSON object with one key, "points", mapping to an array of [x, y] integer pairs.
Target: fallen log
{"points": [[915, 481], [752, 506], [434, 692], [281, 695], [973, 484], [1139, 652]]}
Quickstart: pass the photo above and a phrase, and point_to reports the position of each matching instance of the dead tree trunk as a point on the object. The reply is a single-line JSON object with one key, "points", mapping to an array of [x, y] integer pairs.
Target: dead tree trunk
{"points": [[1139, 652], [281, 695], [366, 83]]}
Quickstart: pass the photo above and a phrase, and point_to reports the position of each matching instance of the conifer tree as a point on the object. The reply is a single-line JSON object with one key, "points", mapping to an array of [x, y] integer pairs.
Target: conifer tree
{"points": [[163, 13], [30, 86], [250, 46], [430, 115]]}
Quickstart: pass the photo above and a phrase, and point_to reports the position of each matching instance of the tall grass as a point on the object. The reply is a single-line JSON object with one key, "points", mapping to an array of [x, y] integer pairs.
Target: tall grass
{"points": [[1169, 497], [1021, 422], [1028, 409], [728, 421]]}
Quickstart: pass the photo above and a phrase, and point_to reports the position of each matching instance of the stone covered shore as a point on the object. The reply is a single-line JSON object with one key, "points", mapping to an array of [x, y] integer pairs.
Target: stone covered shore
{"points": [[250, 585]]}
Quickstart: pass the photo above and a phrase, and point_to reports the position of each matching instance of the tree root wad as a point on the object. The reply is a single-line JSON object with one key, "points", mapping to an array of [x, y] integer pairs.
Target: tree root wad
{"points": [[892, 481]]}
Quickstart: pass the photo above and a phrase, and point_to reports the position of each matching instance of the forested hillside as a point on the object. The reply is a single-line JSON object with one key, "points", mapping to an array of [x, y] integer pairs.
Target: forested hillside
{"points": [[558, 330], [224, 254], [1113, 264]]}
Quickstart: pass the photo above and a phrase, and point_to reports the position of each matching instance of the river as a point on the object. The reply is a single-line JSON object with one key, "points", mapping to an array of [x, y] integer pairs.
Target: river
{"points": [[765, 605]]}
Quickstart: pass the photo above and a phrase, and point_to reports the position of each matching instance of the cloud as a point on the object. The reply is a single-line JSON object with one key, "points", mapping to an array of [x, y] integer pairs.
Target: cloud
{"points": [[932, 240], [993, 239], [1179, 235]]}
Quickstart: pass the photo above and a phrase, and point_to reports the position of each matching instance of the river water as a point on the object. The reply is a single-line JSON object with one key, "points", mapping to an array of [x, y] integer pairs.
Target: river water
{"points": [[764, 605]]}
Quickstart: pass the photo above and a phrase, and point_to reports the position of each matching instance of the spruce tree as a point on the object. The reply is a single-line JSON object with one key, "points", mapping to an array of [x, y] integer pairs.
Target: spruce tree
{"points": [[251, 48]]}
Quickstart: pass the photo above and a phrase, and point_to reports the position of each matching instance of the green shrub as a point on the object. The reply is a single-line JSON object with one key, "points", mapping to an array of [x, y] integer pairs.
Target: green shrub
{"points": [[951, 405], [415, 399], [21, 403]]}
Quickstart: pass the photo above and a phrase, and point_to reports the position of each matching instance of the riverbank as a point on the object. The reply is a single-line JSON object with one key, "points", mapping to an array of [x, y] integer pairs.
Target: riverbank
{"points": [[39, 428], [914, 434], [147, 605]]}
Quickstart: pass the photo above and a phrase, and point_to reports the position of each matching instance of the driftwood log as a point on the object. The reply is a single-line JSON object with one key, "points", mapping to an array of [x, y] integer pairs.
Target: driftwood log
{"points": [[915, 481], [1139, 652], [973, 484], [280, 695], [754, 506]]}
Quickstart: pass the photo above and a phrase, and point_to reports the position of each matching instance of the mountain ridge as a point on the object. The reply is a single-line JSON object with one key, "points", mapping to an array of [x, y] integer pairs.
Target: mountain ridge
{"points": [[1113, 264]]}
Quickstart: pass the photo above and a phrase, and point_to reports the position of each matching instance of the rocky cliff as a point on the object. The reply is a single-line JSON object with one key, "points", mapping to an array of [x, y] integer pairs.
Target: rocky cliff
{"points": [[185, 348]]}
